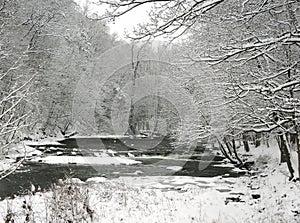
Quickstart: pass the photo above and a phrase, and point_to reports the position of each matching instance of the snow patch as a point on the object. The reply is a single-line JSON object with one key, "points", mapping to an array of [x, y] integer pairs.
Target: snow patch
{"points": [[175, 168], [85, 160], [96, 180], [224, 165]]}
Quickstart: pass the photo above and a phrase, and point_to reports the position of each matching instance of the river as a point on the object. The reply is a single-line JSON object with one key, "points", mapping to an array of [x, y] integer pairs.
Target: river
{"points": [[43, 175]]}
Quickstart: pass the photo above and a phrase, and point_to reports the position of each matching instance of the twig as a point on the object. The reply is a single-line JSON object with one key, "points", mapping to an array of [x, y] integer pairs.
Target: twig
{"points": [[16, 166]]}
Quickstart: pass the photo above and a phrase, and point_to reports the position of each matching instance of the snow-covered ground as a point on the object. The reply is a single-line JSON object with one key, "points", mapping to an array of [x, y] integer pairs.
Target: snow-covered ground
{"points": [[264, 195]]}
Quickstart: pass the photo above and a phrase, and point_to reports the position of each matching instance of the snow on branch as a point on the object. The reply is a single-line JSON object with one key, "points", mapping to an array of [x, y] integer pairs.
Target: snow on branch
{"points": [[284, 71], [262, 46], [286, 85], [167, 17], [260, 128]]}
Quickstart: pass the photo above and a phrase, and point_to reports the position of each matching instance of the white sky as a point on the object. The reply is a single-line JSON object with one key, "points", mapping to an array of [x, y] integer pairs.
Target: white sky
{"points": [[126, 22]]}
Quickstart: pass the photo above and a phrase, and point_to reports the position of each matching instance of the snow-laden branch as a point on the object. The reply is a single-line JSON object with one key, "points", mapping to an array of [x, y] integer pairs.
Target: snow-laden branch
{"points": [[260, 88], [262, 47], [10, 122], [15, 66], [285, 85], [260, 128], [8, 97], [284, 71], [13, 168], [182, 14]]}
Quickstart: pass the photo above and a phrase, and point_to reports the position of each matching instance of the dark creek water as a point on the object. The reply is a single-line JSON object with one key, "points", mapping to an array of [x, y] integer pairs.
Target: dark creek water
{"points": [[44, 175]]}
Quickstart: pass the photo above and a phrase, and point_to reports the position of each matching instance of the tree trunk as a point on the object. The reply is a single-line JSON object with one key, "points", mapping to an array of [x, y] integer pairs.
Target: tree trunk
{"points": [[246, 144], [228, 146], [267, 140], [298, 150], [235, 153], [286, 154], [257, 139], [281, 145], [225, 153], [293, 139], [238, 143]]}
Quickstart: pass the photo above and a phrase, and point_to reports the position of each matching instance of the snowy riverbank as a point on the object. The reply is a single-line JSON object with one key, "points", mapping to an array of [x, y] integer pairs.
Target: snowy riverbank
{"points": [[266, 197], [262, 195]]}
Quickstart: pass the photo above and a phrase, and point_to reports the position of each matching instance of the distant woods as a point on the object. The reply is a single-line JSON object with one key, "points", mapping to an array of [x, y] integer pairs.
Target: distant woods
{"points": [[238, 61], [45, 47]]}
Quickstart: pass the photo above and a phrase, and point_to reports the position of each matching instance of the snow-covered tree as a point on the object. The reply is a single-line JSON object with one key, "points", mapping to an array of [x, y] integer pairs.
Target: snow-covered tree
{"points": [[253, 46]]}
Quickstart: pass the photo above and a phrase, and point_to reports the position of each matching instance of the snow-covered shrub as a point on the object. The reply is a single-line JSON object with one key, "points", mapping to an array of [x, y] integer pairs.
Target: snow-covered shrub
{"points": [[9, 216], [69, 203]]}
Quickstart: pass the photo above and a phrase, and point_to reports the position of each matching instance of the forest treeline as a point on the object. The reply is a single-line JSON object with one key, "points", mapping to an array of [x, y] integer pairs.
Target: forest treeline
{"points": [[45, 48], [240, 61]]}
